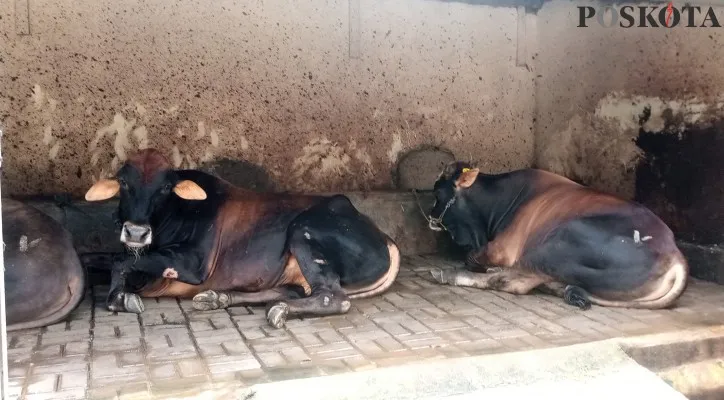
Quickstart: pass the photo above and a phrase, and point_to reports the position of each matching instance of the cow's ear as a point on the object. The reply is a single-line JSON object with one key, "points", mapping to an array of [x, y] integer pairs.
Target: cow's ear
{"points": [[467, 177], [104, 189], [189, 190]]}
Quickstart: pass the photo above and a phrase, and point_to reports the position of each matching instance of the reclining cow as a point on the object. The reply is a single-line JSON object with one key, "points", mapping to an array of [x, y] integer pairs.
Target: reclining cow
{"points": [[536, 229], [195, 235], [44, 279]]}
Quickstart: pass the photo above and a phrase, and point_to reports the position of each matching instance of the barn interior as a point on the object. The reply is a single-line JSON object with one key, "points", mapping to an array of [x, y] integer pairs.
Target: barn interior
{"points": [[370, 99]]}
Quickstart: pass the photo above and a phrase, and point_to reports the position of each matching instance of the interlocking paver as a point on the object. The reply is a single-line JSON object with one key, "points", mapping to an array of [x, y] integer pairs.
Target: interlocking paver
{"points": [[296, 355], [162, 371], [272, 343], [390, 344], [309, 339], [212, 350], [72, 394], [233, 363], [108, 366], [191, 367], [60, 365], [271, 359], [15, 388], [117, 344], [74, 380], [43, 383], [422, 340], [50, 351], [173, 349], [366, 334]]}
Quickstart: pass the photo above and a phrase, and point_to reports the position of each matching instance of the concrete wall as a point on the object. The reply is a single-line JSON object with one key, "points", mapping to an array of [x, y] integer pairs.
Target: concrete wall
{"points": [[328, 95], [636, 111], [322, 95], [594, 83]]}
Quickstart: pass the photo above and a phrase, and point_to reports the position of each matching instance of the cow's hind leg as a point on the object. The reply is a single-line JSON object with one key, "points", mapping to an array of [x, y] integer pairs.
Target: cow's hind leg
{"points": [[324, 302], [514, 280], [327, 296], [214, 300], [572, 295]]}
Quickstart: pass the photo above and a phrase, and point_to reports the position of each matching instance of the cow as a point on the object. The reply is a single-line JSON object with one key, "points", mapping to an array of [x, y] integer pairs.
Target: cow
{"points": [[44, 278], [194, 235], [530, 228]]}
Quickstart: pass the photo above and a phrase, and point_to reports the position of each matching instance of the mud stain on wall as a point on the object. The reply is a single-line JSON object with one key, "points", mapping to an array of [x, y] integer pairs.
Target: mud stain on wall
{"points": [[597, 88], [680, 178]]}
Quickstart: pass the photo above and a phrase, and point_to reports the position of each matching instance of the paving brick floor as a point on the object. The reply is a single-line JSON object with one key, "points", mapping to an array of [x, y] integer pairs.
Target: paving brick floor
{"points": [[173, 349]]}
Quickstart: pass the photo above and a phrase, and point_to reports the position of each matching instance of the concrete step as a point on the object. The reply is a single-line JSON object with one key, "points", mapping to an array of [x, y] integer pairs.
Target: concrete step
{"points": [[594, 371], [668, 350], [690, 362], [678, 365], [702, 380]]}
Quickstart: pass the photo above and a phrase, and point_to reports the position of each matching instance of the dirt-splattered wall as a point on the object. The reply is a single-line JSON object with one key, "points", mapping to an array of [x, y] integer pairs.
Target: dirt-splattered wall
{"points": [[320, 94], [598, 88], [636, 111]]}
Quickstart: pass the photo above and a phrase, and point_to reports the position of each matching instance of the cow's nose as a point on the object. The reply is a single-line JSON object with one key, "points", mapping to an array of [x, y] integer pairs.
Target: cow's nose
{"points": [[136, 235]]}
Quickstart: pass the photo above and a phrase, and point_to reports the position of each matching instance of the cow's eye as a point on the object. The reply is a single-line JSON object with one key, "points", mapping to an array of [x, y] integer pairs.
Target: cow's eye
{"points": [[166, 188], [123, 183]]}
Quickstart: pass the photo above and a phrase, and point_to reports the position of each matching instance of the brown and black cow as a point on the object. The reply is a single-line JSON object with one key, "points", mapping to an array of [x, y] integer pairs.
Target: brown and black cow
{"points": [[196, 236], [44, 278], [532, 229]]}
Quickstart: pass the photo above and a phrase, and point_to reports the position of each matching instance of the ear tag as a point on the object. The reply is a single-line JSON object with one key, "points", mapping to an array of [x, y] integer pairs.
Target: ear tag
{"points": [[466, 170]]}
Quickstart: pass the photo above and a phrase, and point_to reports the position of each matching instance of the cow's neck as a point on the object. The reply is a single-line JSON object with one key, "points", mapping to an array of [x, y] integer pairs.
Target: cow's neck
{"points": [[497, 199], [170, 226]]}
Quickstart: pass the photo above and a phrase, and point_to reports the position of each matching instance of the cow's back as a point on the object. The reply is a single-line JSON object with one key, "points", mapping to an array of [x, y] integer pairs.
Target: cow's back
{"points": [[555, 200], [43, 274], [250, 240], [241, 234]]}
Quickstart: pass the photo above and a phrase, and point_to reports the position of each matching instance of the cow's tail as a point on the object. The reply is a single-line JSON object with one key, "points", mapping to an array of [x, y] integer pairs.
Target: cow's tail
{"points": [[667, 290], [385, 281], [76, 287]]}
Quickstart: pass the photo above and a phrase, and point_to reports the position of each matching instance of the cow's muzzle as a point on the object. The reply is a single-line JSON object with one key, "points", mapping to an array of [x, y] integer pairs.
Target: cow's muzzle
{"points": [[436, 223], [134, 235]]}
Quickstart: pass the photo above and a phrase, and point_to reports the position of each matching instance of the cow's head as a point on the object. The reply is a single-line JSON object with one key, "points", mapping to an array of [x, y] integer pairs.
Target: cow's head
{"points": [[145, 183], [452, 204]]}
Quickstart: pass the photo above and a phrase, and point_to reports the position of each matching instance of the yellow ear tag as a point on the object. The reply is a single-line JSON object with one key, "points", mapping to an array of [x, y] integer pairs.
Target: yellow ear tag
{"points": [[466, 170]]}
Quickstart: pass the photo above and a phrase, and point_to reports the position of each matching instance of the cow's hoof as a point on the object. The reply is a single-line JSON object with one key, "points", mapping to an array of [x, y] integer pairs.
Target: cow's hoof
{"points": [[116, 304], [277, 315], [133, 303], [577, 297], [493, 270], [440, 276], [471, 261], [210, 300], [126, 302]]}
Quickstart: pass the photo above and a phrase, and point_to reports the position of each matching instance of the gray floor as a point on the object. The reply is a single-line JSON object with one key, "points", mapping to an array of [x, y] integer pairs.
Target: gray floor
{"points": [[172, 349]]}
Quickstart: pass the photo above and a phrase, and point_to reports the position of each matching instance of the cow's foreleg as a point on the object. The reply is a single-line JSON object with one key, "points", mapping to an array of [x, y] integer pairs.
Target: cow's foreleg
{"points": [[214, 300], [123, 283], [477, 261], [513, 281], [172, 262]]}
